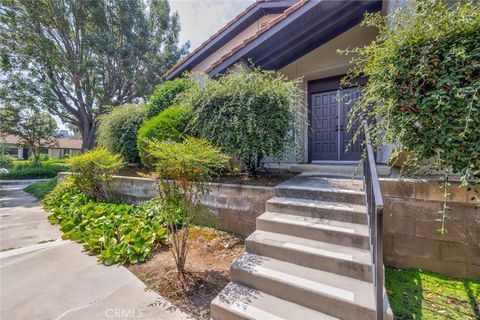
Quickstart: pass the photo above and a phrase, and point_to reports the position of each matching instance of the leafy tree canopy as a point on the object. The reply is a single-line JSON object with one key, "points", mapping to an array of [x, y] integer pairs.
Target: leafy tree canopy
{"points": [[89, 54], [424, 83], [34, 128]]}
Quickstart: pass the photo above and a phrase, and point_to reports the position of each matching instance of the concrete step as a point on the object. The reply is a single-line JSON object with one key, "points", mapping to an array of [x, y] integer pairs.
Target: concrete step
{"points": [[334, 189], [325, 230], [329, 293], [238, 302], [346, 212], [348, 170], [347, 261], [323, 194]]}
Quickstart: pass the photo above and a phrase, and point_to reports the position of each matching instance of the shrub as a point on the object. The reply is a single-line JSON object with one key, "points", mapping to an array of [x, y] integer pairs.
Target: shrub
{"points": [[248, 114], [183, 169], [424, 84], [30, 171], [166, 95], [115, 232], [118, 130], [92, 171], [41, 157], [6, 161], [170, 124]]}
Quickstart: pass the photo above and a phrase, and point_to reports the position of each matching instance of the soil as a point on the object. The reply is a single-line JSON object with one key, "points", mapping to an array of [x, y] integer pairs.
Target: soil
{"points": [[263, 178], [211, 252], [269, 178]]}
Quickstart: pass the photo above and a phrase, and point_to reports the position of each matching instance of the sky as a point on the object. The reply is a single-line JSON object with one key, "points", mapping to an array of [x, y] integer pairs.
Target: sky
{"points": [[199, 19]]}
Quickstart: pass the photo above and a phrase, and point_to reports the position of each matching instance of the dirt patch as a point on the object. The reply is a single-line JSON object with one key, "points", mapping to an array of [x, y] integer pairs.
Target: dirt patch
{"points": [[269, 178], [211, 252]]}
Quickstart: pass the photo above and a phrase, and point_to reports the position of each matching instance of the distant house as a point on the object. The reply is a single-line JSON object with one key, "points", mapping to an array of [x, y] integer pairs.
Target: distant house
{"points": [[13, 146]]}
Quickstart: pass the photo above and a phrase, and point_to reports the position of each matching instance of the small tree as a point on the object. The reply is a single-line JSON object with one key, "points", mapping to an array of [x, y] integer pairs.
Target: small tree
{"points": [[92, 171], [249, 114], [34, 128], [183, 169]]}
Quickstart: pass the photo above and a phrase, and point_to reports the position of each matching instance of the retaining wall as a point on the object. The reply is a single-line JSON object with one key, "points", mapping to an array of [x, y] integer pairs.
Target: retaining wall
{"points": [[411, 239]]}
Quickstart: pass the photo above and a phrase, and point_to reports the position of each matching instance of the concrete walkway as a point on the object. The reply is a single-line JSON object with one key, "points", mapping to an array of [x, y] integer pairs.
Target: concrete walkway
{"points": [[44, 277]]}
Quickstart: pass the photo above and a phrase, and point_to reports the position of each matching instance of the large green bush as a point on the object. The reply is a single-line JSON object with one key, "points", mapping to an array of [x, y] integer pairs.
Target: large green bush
{"points": [[114, 232], [118, 130], [170, 124], [183, 169], [424, 85], [249, 114], [92, 172], [166, 95]]}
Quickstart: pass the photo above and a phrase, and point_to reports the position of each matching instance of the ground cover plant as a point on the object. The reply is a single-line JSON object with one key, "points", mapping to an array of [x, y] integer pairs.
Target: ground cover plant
{"points": [[420, 294], [424, 86], [248, 114], [118, 130], [184, 168], [41, 188], [115, 232]]}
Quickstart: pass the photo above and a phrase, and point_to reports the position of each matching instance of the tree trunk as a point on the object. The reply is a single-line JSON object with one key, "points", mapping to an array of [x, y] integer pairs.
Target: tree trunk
{"points": [[89, 136]]}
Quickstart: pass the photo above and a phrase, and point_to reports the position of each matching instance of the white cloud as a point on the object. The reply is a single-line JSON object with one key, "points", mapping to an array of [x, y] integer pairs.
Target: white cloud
{"points": [[200, 19]]}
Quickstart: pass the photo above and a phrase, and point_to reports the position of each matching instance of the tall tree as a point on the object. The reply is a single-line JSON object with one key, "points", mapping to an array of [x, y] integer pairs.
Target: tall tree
{"points": [[89, 54]]}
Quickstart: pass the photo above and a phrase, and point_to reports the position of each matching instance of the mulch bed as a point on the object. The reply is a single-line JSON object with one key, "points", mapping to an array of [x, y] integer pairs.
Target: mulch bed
{"points": [[211, 252]]}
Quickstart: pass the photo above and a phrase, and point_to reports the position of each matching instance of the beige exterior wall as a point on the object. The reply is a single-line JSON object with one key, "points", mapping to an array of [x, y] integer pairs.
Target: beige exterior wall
{"points": [[254, 27], [324, 61]]}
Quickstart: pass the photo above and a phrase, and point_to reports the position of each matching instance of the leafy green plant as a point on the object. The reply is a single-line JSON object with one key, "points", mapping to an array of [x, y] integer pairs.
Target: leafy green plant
{"points": [[170, 124], [166, 95], [248, 114], [424, 85], [6, 161], [31, 171], [114, 232], [118, 130], [183, 169], [92, 171], [41, 188]]}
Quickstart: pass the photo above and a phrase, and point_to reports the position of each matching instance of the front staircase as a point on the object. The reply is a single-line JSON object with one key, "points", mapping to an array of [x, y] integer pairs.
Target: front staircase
{"points": [[309, 257]]}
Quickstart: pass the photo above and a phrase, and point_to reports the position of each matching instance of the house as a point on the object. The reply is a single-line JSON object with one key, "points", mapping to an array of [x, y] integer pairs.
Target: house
{"points": [[299, 39], [12, 145]]}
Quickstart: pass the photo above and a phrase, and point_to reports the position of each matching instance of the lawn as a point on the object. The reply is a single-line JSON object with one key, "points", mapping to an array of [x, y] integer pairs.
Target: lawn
{"points": [[41, 188], [418, 294]]}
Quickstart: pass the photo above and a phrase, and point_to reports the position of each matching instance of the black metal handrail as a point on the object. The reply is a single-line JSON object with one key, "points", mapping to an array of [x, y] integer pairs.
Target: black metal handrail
{"points": [[374, 203]]}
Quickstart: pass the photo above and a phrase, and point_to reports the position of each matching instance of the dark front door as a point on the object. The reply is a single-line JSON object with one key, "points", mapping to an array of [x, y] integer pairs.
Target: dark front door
{"points": [[330, 136]]}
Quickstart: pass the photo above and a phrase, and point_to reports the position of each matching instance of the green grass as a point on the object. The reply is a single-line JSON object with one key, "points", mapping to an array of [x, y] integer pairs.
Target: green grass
{"points": [[418, 294], [41, 188]]}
